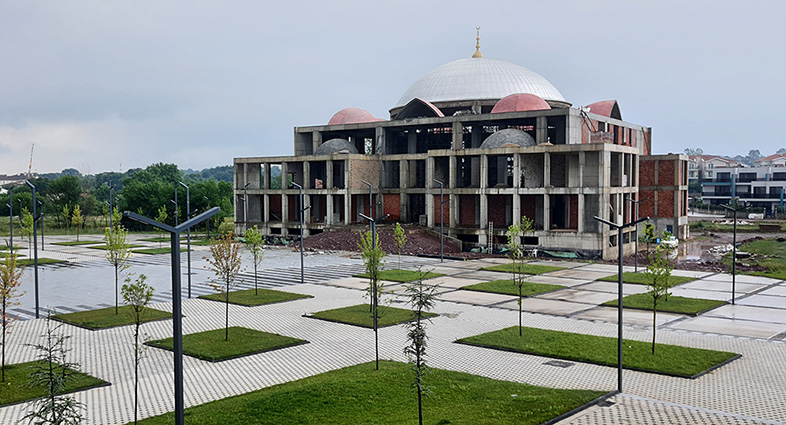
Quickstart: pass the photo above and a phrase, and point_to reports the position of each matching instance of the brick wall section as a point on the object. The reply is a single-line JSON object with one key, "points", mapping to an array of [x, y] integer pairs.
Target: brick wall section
{"points": [[665, 203], [292, 209], [647, 208], [444, 212], [467, 210], [646, 173], [363, 169], [573, 211], [666, 174], [497, 210], [275, 207], [392, 206], [528, 206]]}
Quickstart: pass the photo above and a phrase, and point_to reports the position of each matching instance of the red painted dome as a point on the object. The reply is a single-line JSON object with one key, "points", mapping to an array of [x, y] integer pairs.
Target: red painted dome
{"points": [[520, 102], [352, 116], [607, 108]]}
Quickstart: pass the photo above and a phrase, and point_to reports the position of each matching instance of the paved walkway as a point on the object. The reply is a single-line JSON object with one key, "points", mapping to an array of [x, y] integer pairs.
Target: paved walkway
{"points": [[749, 390]]}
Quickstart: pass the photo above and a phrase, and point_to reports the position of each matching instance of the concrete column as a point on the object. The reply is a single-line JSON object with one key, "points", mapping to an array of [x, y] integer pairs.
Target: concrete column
{"points": [[452, 172], [430, 191], [621, 171], [284, 176], [403, 199], [284, 210], [329, 209], [517, 171], [516, 208], [412, 141], [451, 209], [458, 136], [347, 194], [484, 213], [541, 130], [604, 173], [381, 144], [266, 209], [477, 134], [582, 161], [546, 170], [484, 174], [581, 213], [307, 183], [546, 212], [484, 202], [328, 174], [316, 140], [266, 182], [502, 170]]}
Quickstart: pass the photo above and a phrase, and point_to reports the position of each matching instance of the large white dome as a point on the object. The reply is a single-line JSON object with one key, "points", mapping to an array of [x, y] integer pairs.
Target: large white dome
{"points": [[479, 79]]}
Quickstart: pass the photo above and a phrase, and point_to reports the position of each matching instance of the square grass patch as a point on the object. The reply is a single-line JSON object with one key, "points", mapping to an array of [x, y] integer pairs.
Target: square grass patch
{"points": [[672, 360], [361, 395], [156, 251], [15, 389], [8, 248], [41, 261], [106, 318], [76, 243], [249, 298], [212, 346], [398, 275], [360, 315], [641, 278], [680, 305], [523, 268], [8, 254], [103, 247], [507, 287]]}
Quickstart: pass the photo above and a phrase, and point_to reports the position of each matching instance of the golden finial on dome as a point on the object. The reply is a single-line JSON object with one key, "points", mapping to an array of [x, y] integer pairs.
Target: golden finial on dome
{"points": [[477, 53]]}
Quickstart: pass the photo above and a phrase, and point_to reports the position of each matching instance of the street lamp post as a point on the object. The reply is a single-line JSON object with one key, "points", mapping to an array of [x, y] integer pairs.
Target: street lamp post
{"points": [[619, 290], [733, 253], [301, 211], [636, 256], [207, 222], [245, 207], [43, 241], [441, 221], [10, 206], [177, 309], [35, 245], [188, 235]]}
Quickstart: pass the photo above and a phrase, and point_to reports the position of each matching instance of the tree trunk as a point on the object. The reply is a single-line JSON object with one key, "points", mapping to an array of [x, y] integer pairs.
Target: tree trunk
{"points": [[136, 370], [4, 330], [521, 301], [654, 312], [226, 336], [256, 290], [116, 295]]}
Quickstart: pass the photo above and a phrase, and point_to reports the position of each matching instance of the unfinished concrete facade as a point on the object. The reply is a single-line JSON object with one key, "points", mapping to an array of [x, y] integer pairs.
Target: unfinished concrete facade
{"points": [[509, 152]]}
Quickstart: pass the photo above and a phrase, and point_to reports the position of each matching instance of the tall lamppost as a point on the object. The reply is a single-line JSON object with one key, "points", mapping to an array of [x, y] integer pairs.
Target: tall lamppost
{"points": [[43, 241], [733, 252], [10, 206], [35, 245], [636, 256], [301, 211], [177, 309], [441, 221], [176, 207], [207, 222], [245, 207], [188, 234], [619, 289]]}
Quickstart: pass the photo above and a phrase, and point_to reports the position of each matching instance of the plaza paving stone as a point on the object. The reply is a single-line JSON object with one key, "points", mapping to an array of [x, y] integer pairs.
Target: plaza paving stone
{"points": [[474, 297], [453, 282], [540, 305], [698, 293], [742, 278], [774, 301], [577, 296], [776, 290], [579, 273], [720, 286], [554, 280], [611, 287], [629, 316], [750, 390]]}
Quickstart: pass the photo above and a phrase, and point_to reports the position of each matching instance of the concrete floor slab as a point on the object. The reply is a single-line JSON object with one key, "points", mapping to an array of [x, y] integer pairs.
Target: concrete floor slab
{"points": [[689, 273], [453, 282], [611, 287], [719, 286], [577, 296], [485, 276], [773, 301], [474, 297], [538, 305], [726, 326], [606, 268], [629, 316], [554, 280], [743, 278], [400, 288], [747, 312], [494, 261], [466, 265], [697, 293], [565, 264], [777, 290], [350, 282], [446, 270], [580, 273]]}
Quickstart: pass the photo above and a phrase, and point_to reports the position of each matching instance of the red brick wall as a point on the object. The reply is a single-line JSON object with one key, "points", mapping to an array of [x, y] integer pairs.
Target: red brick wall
{"points": [[467, 210], [445, 212], [665, 203], [646, 172], [275, 207], [528, 206], [497, 210], [292, 207], [666, 174], [392, 206], [647, 208], [573, 211]]}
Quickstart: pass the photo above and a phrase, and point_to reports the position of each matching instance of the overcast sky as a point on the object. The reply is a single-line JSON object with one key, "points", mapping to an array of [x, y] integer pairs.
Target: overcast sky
{"points": [[111, 85]]}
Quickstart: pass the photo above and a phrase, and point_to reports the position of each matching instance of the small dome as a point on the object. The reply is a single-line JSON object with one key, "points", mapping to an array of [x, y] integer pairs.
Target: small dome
{"points": [[352, 116], [607, 108], [335, 146], [508, 137], [520, 102]]}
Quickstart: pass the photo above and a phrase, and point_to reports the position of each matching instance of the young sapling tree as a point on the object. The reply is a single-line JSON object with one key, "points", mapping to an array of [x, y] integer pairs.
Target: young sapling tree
{"points": [[255, 243], [27, 228], [373, 259], [400, 236], [10, 275], [516, 255], [77, 219], [65, 213], [421, 299], [225, 263], [117, 254], [161, 218], [137, 295], [658, 273]]}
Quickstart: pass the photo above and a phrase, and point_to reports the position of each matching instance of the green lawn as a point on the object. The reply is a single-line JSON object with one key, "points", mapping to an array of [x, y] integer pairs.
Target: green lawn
{"points": [[360, 315], [506, 286], [8, 248], [15, 388], [106, 318], [41, 261], [129, 246], [156, 251], [75, 243], [641, 278], [211, 346], [397, 275], [769, 253], [8, 254], [637, 355], [248, 298], [681, 305], [523, 268], [360, 394]]}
